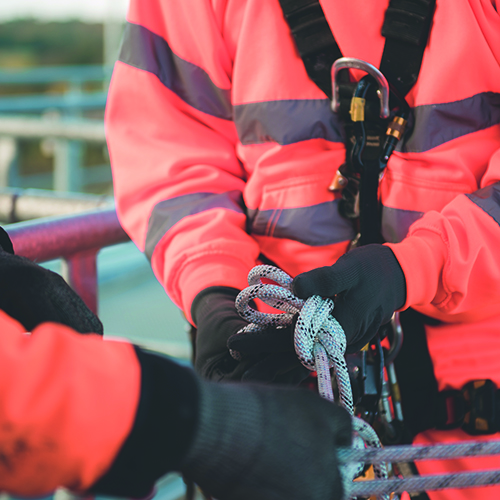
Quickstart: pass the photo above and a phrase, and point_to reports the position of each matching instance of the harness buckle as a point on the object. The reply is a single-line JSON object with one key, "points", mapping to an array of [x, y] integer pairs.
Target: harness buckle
{"points": [[473, 408], [480, 398]]}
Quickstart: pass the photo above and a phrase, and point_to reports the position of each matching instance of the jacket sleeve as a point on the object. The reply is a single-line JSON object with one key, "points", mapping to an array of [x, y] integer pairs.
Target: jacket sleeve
{"points": [[67, 403], [88, 414], [178, 182], [450, 258]]}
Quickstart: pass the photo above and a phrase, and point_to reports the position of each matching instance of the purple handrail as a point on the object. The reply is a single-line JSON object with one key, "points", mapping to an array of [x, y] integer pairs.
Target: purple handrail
{"points": [[74, 238]]}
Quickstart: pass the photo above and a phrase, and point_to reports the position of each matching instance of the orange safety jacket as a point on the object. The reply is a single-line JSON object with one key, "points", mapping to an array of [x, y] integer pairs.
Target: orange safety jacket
{"points": [[67, 404], [223, 149], [90, 415]]}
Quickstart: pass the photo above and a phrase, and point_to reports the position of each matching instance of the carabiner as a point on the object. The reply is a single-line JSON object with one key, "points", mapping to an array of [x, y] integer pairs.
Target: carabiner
{"points": [[353, 63]]}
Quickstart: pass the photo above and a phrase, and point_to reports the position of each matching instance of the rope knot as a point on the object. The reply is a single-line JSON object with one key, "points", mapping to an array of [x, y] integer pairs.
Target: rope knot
{"points": [[316, 325], [320, 344]]}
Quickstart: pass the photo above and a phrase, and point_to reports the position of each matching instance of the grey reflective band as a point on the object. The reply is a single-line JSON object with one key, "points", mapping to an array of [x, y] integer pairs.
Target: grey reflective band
{"points": [[488, 199], [396, 222], [287, 122], [436, 124], [291, 121], [168, 212], [147, 51], [315, 226]]}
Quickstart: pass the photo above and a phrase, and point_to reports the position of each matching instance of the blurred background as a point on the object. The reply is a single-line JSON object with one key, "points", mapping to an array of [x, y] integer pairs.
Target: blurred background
{"points": [[56, 59]]}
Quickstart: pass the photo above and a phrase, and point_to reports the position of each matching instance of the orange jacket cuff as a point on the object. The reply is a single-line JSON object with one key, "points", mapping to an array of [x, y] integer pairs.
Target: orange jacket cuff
{"points": [[422, 257]]}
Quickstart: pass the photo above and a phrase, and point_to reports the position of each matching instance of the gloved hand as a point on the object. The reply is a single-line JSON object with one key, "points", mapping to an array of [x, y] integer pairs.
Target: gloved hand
{"points": [[237, 441], [267, 356], [367, 284], [266, 442], [32, 294]]}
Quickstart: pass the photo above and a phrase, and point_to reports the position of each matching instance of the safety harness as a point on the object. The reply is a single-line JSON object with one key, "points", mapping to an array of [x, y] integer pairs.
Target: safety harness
{"points": [[374, 113], [371, 135], [475, 408]]}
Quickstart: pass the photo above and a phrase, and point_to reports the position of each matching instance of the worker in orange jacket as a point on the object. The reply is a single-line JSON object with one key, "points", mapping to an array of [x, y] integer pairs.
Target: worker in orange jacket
{"points": [[223, 151], [107, 417]]}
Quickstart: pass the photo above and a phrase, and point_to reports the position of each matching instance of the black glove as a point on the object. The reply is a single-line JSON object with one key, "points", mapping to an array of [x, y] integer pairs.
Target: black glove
{"points": [[367, 284], [267, 442], [236, 440], [267, 356], [32, 294]]}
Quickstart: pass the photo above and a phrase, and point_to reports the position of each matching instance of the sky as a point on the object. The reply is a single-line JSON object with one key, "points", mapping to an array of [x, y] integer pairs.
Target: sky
{"points": [[86, 10]]}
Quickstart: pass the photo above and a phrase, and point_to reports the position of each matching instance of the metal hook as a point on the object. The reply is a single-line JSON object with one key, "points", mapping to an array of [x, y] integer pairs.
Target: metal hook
{"points": [[351, 62]]}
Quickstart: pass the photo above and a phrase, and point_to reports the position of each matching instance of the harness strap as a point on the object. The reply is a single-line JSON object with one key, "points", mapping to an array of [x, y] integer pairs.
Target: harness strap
{"points": [[475, 408], [314, 40], [406, 29], [418, 385]]}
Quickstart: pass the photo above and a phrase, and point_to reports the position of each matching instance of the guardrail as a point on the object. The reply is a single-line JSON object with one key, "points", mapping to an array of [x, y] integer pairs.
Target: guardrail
{"points": [[49, 74], [18, 205], [67, 125], [67, 135], [71, 101], [82, 129], [74, 238], [72, 98]]}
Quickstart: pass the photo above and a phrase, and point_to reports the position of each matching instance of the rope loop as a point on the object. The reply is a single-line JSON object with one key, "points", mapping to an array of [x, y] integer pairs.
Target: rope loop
{"points": [[277, 295], [320, 344]]}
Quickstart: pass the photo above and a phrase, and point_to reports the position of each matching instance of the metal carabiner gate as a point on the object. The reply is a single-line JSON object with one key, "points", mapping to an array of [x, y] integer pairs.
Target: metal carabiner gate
{"points": [[353, 63]]}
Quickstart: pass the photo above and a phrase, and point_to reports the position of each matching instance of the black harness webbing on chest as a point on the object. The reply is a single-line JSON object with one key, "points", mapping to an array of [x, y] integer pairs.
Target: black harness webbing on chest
{"points": [[476, 407], [406, 29]]}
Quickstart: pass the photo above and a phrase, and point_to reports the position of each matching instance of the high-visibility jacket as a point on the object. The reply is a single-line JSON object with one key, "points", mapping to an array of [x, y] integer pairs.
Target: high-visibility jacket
{"points": [[64, 413], [223, 149], [83, 413]]}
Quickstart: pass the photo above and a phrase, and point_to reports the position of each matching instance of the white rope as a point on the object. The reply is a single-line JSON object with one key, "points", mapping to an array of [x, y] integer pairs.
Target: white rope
{"points": [[320, 344]]}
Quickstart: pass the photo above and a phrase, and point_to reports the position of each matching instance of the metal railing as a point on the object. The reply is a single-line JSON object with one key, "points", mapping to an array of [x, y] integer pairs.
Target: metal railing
{"points": [[67, 136], [49, 74], [74, 96], [82, 129], [74, 238], [60, 121]]}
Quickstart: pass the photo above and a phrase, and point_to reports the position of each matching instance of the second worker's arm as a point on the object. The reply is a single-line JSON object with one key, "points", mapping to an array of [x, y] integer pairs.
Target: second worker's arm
{"points": [[109, 418]]}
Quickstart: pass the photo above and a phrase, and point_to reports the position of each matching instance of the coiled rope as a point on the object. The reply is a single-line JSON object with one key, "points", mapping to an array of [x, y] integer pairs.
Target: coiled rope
{"points": [[320, 344]]}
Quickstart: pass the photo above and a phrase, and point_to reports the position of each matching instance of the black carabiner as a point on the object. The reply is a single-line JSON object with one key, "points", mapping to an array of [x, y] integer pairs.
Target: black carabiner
{"points": [[358, 118]]}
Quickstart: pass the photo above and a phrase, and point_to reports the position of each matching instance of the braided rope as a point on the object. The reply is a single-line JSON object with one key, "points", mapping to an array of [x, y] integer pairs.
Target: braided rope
{"points": [[411, 453], [425, 483], [320, 344]]}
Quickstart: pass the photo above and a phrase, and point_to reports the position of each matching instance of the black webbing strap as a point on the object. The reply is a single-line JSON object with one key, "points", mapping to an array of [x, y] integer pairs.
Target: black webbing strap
{"points": [[475, 408], [418, 385], [406, 29], [314, 40]]}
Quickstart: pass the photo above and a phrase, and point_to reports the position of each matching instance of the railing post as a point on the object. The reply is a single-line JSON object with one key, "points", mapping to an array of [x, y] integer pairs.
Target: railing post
{"points": [[67, 161], [80, 271], [8, 153]]}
